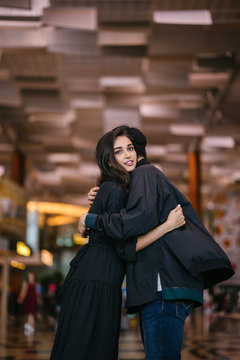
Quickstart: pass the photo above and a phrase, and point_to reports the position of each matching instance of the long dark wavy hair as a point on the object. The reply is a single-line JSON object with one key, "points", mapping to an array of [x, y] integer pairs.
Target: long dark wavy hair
{"points": [[110, 170]]}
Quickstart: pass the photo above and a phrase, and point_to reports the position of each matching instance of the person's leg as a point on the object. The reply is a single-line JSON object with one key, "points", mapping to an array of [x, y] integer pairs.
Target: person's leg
{"points": [[31, 320], [150, 315], [162, 325]]}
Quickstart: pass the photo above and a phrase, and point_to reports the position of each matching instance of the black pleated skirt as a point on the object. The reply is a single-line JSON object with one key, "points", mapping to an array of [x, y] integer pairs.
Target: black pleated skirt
{"points": [[89, 321]]}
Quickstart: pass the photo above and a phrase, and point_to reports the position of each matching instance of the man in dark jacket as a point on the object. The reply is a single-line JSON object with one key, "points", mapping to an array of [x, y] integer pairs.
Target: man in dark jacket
{"points": [[169, 276]]}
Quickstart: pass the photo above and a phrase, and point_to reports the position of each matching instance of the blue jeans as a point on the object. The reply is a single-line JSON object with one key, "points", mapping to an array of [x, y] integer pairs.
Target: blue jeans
{"points": [[162, 326]]}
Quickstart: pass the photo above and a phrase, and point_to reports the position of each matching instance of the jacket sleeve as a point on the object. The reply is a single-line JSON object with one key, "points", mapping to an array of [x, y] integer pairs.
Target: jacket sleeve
{"points": [[141, 213], [126, 250]]}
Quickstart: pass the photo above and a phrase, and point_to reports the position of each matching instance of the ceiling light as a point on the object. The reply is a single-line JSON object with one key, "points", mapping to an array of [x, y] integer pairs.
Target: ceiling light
{"points": [[187, 129], [64, 158], [226, 142], [183, 17], [158, 111], [156, 150], [120, 81], [90, 103], [20, 24], [122, 38], [2, 170]]}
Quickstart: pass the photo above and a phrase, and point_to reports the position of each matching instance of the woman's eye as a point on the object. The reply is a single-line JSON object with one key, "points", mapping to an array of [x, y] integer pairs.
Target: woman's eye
{"points": [[131, 148], [118, 152]]}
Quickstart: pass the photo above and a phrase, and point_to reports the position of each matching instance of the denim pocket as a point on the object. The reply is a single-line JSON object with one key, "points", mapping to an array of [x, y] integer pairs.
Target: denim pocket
{"points": [[183, 309]]}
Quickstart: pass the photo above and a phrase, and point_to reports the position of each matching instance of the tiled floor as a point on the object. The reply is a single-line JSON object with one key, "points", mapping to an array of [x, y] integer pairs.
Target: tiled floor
{"points": [[206, 337]]}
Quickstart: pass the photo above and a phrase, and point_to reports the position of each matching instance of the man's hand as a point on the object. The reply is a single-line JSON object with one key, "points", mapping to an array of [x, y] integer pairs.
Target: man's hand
{"points": [[91, 195], [81, 225]]}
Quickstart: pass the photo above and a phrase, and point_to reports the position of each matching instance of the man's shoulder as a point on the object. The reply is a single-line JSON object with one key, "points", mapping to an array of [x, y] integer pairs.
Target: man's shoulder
{"points": [[147, 169]]}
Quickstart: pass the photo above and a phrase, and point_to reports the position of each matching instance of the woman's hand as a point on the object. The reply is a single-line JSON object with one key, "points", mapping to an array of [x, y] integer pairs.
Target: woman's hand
{"points": [[91, 195], [176, 218], [81, 225]]}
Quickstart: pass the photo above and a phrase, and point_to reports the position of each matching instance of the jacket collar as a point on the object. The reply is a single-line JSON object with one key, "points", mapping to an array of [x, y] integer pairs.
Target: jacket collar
{"points": [[144, 161]]}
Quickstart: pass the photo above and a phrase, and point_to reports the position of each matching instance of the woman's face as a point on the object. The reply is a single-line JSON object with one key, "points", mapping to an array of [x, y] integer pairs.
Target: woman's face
{"points": [[125, 153]]}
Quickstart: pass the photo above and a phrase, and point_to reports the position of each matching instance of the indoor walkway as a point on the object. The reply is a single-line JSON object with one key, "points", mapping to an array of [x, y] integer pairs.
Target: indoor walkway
{"points": [[206, 337]]}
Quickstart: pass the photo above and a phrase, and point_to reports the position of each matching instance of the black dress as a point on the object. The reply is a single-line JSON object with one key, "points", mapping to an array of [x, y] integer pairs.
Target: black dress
{"points": [[89, 321]]}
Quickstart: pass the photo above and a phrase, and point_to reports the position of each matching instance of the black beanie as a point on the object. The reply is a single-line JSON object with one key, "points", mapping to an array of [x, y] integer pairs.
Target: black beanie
{"points": [[139, 141]]}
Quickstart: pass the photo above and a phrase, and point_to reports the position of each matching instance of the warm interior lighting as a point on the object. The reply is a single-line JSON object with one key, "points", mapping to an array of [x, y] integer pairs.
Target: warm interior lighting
{"points": [[46, 257], [60, 220], [23, 249], [56, 208], [18, 265], [183, 17]]}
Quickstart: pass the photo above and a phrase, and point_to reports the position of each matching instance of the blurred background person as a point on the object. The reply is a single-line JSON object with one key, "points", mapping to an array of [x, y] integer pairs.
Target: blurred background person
{"points": [[29, 300]]}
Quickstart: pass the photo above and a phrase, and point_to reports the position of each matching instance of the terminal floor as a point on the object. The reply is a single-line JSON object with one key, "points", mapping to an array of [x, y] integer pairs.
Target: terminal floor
{"points": [[206, 337]]}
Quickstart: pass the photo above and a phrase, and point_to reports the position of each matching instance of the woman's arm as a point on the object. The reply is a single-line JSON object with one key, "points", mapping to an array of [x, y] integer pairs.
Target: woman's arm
{"points": [[23, 292], [175, 220]]}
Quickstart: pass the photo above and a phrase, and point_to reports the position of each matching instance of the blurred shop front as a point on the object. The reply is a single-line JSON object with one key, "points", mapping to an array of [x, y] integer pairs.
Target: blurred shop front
{"points": [[16, 252]]}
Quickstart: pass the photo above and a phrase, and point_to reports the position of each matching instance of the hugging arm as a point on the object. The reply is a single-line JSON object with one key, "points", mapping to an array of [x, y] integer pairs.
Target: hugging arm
{"points": [[140, 215], [175, 219]]}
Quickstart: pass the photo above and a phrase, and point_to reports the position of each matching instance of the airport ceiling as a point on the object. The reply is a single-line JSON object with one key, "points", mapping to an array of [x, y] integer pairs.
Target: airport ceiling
{"points": [[71, 70]]}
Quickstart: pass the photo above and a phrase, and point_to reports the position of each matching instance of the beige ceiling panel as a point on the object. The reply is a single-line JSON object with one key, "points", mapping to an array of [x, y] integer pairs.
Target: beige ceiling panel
{"points": [[20, 8], [171, 39], [114, 116], [43, 101], [168, 73], [21, 4], [208, 80], [83, 18], [127, 100], [81, 85], [134, 11], [121, 66], [91, 101], [194, 4], [72, 67], [76, 42], [24, 38], [9, 94], [27, 65]]}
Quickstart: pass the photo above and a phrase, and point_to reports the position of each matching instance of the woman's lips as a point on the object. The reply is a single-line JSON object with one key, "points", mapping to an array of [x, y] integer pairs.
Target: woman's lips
{"points": [[129, 163]]}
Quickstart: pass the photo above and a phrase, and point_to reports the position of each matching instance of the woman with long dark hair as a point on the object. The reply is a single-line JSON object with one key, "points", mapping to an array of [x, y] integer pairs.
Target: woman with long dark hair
{"points": [[89, 322]]}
